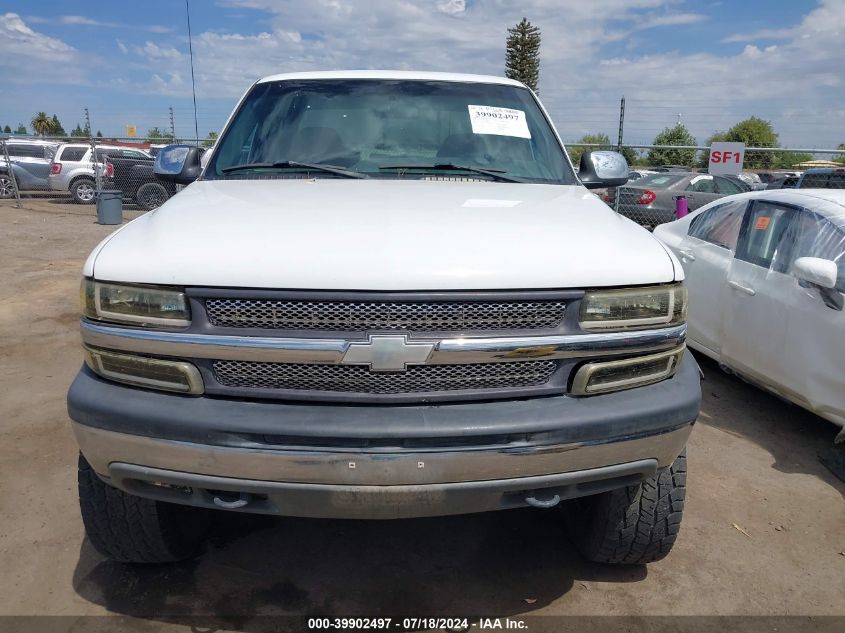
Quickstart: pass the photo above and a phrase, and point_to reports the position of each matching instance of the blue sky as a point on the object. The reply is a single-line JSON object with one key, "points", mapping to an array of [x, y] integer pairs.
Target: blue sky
{"points": [[712, 62]]}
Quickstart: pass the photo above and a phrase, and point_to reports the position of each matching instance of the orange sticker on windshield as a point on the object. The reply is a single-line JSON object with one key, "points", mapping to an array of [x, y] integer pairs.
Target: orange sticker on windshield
{"points": [[762, 223]]}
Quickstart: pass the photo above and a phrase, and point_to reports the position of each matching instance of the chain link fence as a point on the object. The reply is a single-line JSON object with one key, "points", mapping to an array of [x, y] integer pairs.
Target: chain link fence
{"points": [[74, 170], [660, 174]]}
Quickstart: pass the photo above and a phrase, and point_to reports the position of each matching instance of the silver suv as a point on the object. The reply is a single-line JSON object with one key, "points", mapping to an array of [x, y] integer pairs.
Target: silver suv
{"points": [[73, 169], [29, 161]]}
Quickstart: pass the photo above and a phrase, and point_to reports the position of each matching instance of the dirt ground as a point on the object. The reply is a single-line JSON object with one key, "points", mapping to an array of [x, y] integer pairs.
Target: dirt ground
{"points": [[764, 531]]}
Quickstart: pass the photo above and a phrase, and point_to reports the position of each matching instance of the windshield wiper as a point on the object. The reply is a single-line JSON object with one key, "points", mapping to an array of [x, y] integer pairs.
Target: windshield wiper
{"points": [[285, 164], [497, 174]]}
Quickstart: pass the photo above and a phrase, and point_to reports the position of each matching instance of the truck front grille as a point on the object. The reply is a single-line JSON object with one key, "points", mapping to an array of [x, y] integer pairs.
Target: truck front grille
{"points": [[410, 316], [359, 379]]}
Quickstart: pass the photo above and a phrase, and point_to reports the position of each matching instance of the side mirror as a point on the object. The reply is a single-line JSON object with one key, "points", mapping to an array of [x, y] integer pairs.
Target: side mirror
{"points": [[820, 272], [179, 164], [603, 169]]}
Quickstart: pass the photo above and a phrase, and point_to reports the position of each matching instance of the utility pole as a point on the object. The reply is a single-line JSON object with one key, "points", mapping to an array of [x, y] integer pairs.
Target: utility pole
{"points": [[87, 122], [172, 126], [679, 118], [621, 123]]}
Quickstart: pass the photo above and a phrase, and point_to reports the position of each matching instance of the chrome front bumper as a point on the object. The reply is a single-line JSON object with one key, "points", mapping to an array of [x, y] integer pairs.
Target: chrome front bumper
{"points": [[375, 485], [326, 350]]}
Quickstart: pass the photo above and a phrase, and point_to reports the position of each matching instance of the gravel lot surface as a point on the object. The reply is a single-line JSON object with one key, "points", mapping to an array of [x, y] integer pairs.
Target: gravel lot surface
{"points": [[764, 531]]}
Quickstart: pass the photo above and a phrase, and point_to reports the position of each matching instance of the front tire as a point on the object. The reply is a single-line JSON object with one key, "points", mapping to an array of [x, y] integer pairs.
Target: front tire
{"points": [[131, 529], [633, 525], [83, 191]]}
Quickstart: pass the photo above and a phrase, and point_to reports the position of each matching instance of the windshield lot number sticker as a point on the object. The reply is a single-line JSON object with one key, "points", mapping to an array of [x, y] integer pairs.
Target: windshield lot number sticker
{"points": [[499, 121]]}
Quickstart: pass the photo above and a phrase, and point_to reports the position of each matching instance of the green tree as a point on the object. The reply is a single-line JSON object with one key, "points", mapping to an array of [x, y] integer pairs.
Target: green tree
{"points": [[210, 139], [755, 132], [99, 134], [675, 135], [522, 54], [56, 127], [42, 124], [155, 135], [7, 130], [632, 157], [21, 129], [77, 131], [596, 141], [786, 160]]}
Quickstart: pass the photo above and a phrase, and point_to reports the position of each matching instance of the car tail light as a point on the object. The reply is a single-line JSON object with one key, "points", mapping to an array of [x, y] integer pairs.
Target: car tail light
{"points": [[647, 197], [55, 168], [109, 170], [606, 197]]}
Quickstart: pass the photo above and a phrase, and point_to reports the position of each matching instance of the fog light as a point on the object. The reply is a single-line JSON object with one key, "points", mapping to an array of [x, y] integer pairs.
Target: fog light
{"points": [[140, 371], [616, 375]]}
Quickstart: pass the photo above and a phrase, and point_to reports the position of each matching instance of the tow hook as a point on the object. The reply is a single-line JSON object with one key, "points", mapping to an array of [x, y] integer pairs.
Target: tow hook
{"points": [[546, 502], [232, 504]]}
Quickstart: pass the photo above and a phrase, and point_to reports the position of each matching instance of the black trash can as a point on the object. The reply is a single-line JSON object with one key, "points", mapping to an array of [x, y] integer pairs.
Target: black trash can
{"points": [[110, 206]]}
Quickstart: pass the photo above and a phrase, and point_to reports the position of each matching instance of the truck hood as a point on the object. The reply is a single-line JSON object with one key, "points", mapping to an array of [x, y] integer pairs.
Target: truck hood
{"points": [[333, 234]]}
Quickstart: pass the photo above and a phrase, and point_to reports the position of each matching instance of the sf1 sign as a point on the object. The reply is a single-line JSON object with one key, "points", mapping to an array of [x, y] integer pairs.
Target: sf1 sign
{"points": [[726, 158]]}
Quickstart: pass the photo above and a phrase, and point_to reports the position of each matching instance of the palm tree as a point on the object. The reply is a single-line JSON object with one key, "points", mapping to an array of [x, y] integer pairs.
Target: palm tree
{"points": [[42, 124]]}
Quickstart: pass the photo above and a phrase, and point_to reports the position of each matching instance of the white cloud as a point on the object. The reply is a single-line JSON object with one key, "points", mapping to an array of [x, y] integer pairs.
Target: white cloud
{"points": [[669, 19], [154, 52], [762, 34], [452, 7], [81, 20], [17, 39]]}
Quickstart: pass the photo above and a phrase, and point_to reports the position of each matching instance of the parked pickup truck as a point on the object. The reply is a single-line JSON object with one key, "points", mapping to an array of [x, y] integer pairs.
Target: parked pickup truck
{"points": [[137, 181], [386, 295]]}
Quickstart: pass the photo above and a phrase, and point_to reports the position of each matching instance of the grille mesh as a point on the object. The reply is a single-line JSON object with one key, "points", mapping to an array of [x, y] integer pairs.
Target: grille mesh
{"points": [[428, 316], [359, 379]]}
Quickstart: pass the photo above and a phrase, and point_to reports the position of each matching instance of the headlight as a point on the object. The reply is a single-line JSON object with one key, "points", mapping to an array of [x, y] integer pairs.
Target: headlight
{"points": [[138, 305], [615, 375], [634, 308], [140, 371]]}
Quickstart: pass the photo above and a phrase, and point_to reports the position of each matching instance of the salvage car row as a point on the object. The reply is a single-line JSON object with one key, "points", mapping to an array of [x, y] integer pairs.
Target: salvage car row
{"points": [[650, 199], [39, 165]]}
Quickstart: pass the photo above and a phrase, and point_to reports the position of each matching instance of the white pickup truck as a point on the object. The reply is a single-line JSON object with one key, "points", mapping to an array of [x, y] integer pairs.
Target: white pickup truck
{"points": [[386, 295]]}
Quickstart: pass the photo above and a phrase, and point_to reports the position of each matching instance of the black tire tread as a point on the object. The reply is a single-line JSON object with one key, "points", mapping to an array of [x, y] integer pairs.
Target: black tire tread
{"points": [[637, 524], [132, 529]]}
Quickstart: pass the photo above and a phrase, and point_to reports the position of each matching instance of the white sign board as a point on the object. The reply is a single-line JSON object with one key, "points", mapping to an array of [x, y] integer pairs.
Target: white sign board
{"points": [[499, 121], [726, 158]]}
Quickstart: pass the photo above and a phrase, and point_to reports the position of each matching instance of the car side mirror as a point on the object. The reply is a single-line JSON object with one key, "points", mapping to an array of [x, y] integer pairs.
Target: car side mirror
{"points": [[179, 164], [603, 169], [819, 272], [822, 274]]}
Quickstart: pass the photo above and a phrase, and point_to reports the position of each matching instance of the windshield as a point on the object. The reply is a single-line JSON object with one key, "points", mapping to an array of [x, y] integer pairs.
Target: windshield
{"points": [[659, 180], [390, 129]]}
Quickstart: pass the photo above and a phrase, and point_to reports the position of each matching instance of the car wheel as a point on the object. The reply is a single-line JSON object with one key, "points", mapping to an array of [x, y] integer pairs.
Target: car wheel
{"points": [[83, 191], [632, 525], [7, 188], [132, 529], [151, 195]]}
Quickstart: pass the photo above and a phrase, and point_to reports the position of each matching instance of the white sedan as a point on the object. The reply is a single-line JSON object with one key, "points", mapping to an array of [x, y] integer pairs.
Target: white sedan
{"points": [[765, 271]]}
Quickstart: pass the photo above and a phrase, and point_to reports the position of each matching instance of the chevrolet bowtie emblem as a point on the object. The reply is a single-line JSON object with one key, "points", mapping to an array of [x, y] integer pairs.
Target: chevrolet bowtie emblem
{"points": [[387, 353]]}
